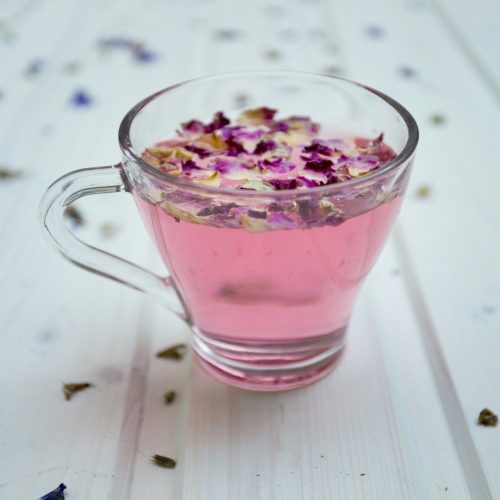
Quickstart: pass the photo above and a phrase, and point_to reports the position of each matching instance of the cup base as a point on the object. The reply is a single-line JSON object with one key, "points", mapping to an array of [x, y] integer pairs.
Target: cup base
{"points": [[273, 367]]}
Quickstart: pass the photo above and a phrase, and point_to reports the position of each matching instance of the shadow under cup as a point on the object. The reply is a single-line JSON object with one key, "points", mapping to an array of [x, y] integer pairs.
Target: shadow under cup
{"points": [[268, 306]]}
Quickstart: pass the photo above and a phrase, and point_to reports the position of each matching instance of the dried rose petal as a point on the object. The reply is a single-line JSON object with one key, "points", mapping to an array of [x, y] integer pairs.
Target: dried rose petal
{"points": [[262, 153], [319, 165], [234, 148], [283, 183], [304, 181], [219, 120], [256, 116], [280, 221], [193, 126], [200, 151], [189, 166], [264, 146], [277, 165], [319, 147]]}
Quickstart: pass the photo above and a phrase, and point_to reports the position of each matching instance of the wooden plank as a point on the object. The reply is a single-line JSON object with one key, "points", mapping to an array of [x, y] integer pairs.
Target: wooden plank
{"points": [[364, 419], [58, 323], [475, 28], [450, 238]]}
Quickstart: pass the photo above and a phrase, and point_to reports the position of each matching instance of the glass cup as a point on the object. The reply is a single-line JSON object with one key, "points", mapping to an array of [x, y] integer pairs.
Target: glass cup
{"points": [[268, 304]]}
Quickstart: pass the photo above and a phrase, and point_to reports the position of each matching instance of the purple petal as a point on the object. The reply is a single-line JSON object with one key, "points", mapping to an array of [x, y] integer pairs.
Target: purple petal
{"points": [[319, 165], [201, 152], [318, 147], [234, 148], [277, 165], [304, 181], [283, 183], [219, 121], [193, 126], [264, 146], [280, 220], [189, 166]]}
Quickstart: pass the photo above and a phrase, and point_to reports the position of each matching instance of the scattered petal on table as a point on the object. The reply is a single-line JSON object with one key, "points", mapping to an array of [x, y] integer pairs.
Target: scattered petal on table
{"points": [[487, 418], [438, 119], [272, 55], [407, 72], [169, 397], [81, 99], [70, 390], [424, 191], [139, 51], [165, 462], [374, 31], [241, 100], [108, 230], [144, 55], [57, 494], [7, 173], [34, 68], [227, 34]]}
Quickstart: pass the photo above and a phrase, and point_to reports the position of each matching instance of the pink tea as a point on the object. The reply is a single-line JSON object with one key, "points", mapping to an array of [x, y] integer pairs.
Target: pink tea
{"points": [[269, 280]]}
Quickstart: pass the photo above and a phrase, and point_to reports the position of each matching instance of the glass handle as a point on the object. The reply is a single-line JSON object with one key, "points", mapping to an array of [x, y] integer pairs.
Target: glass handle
{"points": [[88, 181]]}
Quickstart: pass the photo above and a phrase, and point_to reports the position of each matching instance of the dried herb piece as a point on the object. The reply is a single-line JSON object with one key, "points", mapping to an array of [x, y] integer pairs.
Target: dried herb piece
{"points": [[227, 34], [108, 229], [424, 191], [70, 390], [74, 216], [272, 55], [374, 31], [176, 352], [487, 418], [57, 494], [437, 119], [166, 462], [169, 397], [7, 174]]}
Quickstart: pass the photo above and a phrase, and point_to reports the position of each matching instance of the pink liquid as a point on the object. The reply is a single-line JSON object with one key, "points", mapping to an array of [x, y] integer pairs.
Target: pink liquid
{"points": [[272, 286]]}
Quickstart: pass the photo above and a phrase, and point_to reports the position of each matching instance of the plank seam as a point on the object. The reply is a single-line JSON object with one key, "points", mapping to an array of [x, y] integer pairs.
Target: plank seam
{"points": [[457, 422]]}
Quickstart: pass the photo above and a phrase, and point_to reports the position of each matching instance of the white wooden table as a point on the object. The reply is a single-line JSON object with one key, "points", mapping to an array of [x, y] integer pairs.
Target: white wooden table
{"points": [[397, 419]]}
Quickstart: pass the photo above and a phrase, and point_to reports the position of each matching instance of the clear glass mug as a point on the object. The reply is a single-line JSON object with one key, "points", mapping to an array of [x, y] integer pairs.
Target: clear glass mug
{"points": [[268, 292]]}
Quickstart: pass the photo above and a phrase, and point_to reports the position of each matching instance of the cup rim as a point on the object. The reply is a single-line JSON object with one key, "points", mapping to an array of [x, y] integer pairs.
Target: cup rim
{"points": [[129, 152]]}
